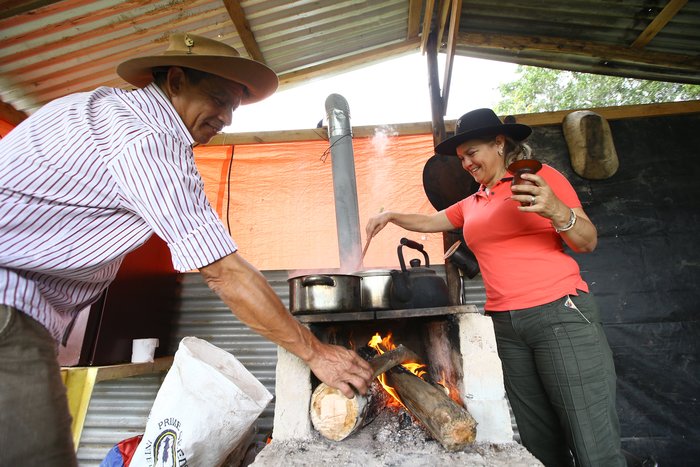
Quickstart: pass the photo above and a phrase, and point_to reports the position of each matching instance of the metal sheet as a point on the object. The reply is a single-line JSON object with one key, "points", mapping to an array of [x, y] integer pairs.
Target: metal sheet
{"points": [[119, 409]]}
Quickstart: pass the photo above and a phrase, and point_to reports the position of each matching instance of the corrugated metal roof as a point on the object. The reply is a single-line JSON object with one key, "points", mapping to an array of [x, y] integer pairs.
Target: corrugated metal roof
{"points": [[51, 48], [586, 35]]}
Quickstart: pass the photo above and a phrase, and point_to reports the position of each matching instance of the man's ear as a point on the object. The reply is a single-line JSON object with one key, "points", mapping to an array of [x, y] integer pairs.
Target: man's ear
{"points": [[175, 79]]}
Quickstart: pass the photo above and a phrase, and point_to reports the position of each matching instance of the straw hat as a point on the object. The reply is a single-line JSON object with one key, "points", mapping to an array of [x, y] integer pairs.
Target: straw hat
{"points": [[208, 55], [481, 123]]}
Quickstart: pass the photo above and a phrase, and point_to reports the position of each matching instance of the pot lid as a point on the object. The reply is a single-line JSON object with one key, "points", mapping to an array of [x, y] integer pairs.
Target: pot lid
{"points": [[300, 276], [373, 272]]}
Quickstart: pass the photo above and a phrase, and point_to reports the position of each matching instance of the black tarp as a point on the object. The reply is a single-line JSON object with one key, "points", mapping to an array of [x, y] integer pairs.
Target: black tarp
{"points": [[645, 274]]}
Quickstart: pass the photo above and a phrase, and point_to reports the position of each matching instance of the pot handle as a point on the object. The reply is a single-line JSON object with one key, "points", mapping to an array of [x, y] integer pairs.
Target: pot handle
{"points": [[317, 280]]}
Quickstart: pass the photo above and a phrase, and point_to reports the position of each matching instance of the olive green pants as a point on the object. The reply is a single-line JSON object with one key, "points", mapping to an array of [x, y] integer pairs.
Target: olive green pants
{"points": [[35, 424], [560, 380]]}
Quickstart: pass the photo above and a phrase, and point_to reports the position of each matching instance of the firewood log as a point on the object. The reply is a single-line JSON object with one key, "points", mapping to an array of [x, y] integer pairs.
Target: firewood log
{"points": [[448, 422], [335, 416]]}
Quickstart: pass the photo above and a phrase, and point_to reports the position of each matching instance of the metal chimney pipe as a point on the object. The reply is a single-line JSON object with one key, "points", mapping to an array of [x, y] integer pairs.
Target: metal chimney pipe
{"points": [[347, 215]]}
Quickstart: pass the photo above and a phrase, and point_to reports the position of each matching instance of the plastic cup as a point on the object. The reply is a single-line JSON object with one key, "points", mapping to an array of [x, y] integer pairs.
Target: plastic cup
{"points": [[143, 350]]}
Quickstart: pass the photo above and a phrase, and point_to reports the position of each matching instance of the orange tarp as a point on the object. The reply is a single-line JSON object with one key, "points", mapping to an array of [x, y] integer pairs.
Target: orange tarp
{"points": [[280, 209]]}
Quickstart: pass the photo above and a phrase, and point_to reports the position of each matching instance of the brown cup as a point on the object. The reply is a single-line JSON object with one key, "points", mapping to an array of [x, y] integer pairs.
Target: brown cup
{"points": [[523, 166]]}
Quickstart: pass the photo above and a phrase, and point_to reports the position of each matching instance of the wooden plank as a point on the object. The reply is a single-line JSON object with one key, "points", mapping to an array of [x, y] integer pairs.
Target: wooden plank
{"points": [[519, 44], [235, 11], [661, 20], [126, 370], [614, 113], [424, 128], [79, 384]]}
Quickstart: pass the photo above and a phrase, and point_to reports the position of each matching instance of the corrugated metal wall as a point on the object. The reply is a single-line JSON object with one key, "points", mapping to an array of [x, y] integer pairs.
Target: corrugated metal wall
{"points": [[119, 408]]}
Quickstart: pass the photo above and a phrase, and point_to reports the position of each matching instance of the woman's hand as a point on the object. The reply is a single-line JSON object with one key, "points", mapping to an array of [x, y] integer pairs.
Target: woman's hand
{"points": [[540, 199], [377, 223]]}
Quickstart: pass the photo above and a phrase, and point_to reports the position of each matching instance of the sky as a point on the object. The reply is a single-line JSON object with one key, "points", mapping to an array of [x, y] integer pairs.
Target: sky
{"points": [[390, 92]]}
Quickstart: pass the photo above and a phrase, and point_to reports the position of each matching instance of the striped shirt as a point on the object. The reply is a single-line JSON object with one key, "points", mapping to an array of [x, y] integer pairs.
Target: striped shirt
{"points": [[87, 179]]}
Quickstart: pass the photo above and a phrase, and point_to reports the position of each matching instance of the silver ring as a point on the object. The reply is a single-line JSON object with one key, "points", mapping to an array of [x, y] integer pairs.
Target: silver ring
{"points": [[533, 200]]}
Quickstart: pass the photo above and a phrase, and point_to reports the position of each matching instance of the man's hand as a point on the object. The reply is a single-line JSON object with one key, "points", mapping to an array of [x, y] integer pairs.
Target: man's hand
{"points": [[247, 293], [341, 368]]}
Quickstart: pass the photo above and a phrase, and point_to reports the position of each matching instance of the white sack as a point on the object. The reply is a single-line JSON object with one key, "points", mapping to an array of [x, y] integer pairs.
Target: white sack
{"points": [[207, 402]]}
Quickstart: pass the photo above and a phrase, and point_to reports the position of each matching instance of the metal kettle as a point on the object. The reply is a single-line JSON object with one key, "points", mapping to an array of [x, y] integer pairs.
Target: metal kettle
{"points": [[417, 286]]}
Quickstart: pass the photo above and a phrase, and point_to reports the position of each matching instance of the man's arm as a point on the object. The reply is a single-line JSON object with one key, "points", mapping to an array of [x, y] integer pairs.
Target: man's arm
{"points": [[249, 296]]}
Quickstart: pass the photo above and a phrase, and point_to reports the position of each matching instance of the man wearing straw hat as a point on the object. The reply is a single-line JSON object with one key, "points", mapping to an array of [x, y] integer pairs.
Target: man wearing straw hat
{"points": [[89, 178]]}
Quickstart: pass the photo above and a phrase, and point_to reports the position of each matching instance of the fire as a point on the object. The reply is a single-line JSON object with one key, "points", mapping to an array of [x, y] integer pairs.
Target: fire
{"points": [[382, 345]]}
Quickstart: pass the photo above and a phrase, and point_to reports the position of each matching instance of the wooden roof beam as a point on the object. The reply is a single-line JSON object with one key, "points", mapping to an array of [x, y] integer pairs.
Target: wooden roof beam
{"points": [[414, 10], [443, 11], [235, 11], [425, 128], [455, 16], [427, 21], [661, 20], [519, 44]]}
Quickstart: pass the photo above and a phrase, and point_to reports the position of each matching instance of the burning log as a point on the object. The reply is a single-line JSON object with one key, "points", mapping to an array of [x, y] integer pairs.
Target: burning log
{"points": [[335, 416], [448, 422]]}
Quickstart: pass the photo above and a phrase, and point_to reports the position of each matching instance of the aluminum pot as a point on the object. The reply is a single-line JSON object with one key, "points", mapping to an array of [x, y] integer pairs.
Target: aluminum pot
{"points": [[324, 293], [376, 289]]}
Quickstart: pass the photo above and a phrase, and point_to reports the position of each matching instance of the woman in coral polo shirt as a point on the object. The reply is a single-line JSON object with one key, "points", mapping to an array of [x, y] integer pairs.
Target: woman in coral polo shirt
{"points": [[557, 365]]}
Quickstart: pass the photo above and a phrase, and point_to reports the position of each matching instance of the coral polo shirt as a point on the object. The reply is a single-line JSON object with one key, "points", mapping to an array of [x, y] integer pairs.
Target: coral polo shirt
{"points": [[521, 257]]}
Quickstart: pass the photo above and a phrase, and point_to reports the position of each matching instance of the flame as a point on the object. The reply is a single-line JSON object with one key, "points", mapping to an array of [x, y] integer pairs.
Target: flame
{"points": [[382, 344], [450, 389]]}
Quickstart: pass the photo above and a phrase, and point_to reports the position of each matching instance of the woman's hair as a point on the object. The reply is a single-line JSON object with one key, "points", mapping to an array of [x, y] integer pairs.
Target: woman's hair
{"points": [[515, 150]]}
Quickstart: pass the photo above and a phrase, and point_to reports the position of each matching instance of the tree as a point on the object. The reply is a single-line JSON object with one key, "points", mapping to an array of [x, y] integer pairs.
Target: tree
{"points": [[544, 89]]}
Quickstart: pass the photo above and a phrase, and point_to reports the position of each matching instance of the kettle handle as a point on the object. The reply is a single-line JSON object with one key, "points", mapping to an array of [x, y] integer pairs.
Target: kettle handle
{"points": [[416, 246]]}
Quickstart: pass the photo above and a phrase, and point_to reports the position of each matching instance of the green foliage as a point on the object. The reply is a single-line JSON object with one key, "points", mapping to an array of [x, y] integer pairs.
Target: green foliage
{"points": [[543, 90]]}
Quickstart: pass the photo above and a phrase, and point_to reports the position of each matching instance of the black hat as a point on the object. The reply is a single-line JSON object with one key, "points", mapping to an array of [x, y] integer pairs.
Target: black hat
{"points": [[481, 123]]}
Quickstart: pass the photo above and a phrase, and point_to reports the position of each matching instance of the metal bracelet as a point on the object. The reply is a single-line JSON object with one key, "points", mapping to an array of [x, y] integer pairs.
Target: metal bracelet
{"points": [[569, 226]]}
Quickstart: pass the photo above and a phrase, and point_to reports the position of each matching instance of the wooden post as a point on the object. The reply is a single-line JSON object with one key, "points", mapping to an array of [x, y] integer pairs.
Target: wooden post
{"points": [[436, 104]]}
